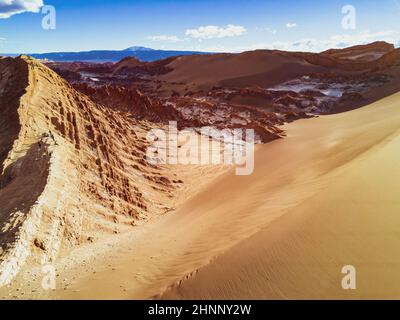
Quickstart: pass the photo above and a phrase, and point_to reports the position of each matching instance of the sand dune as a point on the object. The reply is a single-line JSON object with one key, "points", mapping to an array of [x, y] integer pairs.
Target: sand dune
{"points": [[350, 165], [267, 68], [263, 68]]}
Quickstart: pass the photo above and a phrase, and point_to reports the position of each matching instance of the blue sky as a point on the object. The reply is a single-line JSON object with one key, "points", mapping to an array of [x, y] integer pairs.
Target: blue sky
{"points": [[235, 25]]}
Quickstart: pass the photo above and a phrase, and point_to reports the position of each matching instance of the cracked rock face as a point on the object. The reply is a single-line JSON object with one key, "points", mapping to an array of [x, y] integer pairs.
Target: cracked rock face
{"points": [[70, 169]]}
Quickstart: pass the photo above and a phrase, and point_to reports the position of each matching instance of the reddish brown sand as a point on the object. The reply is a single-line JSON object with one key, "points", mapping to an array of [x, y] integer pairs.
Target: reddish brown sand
{"points": [[262, 68]]}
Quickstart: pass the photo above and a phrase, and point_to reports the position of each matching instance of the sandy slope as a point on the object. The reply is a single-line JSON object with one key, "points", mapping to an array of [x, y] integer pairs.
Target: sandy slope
{"points": [[262, 68], [351, 217], [324, 197]]}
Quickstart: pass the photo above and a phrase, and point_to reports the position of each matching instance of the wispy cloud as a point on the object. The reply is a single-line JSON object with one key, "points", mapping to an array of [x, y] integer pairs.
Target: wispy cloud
{"points": [[164, 38], [9, 8], [334, 42], [212, 32], [268, 30], [291, 25]]}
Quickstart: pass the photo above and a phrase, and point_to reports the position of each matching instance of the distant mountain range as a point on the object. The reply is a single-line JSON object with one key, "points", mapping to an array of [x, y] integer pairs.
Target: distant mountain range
{"points": [[141, 53]]}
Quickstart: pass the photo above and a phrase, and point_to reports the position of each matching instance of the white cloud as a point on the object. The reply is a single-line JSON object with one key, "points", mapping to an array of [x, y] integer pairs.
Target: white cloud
{"points": [[10, 7], [364, 37], [165, 38], [334, 42], [268, 30], [291, 25], [212, 32]]}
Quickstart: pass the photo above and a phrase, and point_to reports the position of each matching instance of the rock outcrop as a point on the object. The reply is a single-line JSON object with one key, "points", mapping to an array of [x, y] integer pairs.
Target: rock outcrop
{"points": [[368, 52], [130, 100], [71, 170]]}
